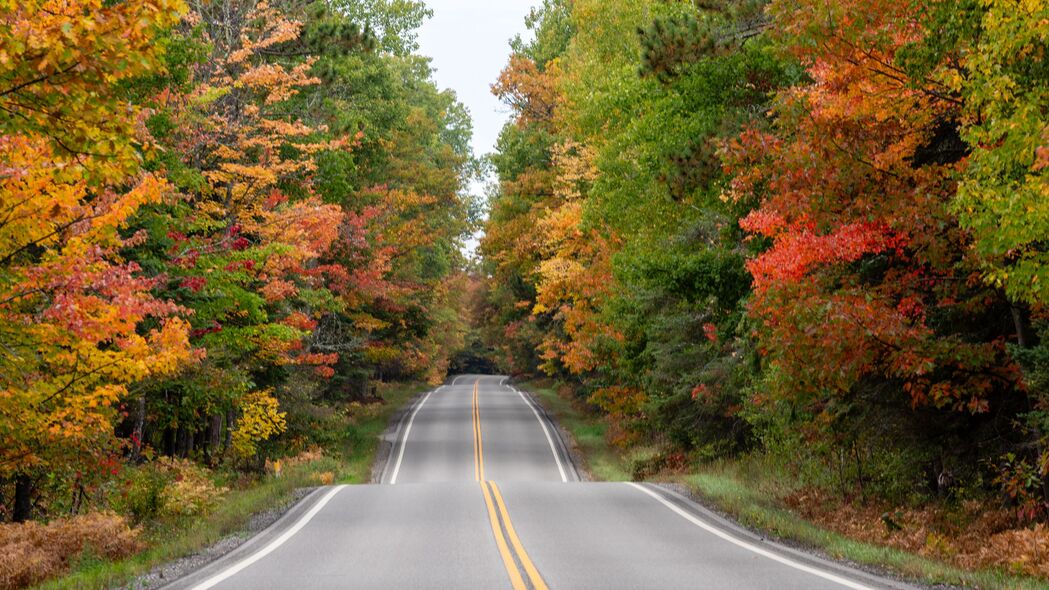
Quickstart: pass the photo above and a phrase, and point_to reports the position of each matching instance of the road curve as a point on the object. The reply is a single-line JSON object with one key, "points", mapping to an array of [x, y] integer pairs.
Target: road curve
{"points": [[479, 492]]}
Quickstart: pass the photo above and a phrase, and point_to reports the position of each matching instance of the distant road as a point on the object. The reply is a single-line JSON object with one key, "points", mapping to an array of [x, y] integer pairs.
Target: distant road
{"points": [[479, 492]]}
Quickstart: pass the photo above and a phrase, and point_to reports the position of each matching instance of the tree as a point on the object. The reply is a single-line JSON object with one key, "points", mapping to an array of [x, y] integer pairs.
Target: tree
{"points": [[395, 22], [243, 245], [866, 268], [1003, 195], [79, 324]]}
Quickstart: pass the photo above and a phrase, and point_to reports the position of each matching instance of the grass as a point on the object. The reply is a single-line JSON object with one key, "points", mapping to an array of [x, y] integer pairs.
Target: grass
{"points": [[750, 499], [357, 464], [601, 460], [746, 491], [172, 540]]}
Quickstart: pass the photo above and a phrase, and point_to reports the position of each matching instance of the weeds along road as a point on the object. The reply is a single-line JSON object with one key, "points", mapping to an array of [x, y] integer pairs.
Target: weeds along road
{"points": [[479, 492]]}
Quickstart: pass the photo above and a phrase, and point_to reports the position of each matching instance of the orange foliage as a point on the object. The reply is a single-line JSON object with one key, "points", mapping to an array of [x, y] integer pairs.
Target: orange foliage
{"points": [[575, 268], [624, 406], [70, 308], [837, 183], [975, 535], [533, 94], [32, 552]]}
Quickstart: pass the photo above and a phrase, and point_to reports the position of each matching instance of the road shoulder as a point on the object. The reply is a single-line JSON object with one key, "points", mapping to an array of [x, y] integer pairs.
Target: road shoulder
{"points": [[189, 570], [391, 436], [777, 525]]}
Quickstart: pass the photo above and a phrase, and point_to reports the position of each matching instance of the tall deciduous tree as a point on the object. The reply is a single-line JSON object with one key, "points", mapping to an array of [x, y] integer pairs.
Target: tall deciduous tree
{"points": [[79, 324]]}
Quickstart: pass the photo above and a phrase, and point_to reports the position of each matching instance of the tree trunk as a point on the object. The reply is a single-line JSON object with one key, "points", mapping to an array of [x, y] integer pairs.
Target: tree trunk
{"points": [[23, 498], [139, 429], [214, 439], [190, 437], [78, 498], [181, 442], [1021, 321], [231, 415], [169, 441]]}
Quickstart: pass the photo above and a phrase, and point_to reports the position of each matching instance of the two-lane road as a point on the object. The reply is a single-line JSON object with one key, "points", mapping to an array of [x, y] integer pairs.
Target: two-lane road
{"points": [[479, 492]]}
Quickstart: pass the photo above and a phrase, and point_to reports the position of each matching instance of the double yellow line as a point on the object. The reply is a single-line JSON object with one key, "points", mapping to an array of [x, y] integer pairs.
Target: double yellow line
{"points": [[478, 446], [499, 517]]}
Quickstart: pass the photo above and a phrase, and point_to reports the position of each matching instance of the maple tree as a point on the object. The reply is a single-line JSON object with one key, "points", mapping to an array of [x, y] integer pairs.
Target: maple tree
{"points": [[991, 57], [240, 246], [80, 323], [207, 237], [769, 183], [1002, 197], [866, 268]]}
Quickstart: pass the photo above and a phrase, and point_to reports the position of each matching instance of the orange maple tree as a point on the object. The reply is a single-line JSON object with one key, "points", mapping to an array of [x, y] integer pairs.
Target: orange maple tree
{"points": [[78, 324], [865, 262]]}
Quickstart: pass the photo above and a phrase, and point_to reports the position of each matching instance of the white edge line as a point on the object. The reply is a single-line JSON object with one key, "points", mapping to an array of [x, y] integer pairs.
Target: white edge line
{"points": [[240, 565], [404, 439], [549, 439], [750, 547], [455, 379]]}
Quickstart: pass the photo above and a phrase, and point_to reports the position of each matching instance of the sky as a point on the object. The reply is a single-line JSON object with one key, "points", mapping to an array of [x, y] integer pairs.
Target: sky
{"points": [[469, 41]]}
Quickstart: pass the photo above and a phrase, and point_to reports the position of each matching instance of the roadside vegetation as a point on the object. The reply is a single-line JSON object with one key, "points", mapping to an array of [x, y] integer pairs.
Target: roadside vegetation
{"points": [[234, 500], [228, 230], [185, 508], [931, 548], [801, 238]]}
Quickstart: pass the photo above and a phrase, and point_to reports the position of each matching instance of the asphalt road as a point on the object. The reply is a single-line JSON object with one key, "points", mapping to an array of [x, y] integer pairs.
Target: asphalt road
{"points": [[479, 492]]}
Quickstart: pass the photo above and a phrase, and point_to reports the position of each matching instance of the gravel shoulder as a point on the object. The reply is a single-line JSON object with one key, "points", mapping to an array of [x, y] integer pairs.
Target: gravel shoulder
{"points": [[173, 570]]}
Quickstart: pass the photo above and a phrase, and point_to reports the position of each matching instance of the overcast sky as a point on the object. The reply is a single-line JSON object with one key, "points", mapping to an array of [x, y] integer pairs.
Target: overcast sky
{"points": [[469, 41]]}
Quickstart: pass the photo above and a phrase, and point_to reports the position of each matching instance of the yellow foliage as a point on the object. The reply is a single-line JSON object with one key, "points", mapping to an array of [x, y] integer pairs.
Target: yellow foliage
{"points": [[191, 490], [260, 419]]}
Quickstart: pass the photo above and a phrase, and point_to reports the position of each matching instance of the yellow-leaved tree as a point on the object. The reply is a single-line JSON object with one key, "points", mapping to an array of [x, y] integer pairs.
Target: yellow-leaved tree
{"points": [[78, 324]]}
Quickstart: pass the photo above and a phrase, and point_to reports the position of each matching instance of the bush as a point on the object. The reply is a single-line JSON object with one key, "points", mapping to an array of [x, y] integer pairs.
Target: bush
{"points": [[166, 488], [141, 494], [32, 552], [190, 491]]}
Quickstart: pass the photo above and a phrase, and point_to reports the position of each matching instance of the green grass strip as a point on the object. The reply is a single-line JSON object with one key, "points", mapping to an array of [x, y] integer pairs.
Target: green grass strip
{"points": [[752, 501], [170, 541]]}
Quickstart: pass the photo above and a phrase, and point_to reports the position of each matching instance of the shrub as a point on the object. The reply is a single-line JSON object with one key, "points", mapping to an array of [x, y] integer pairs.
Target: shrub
{"points": [[166, 488], [260, 419], [32, 552], [141, 494], [190, 491]]}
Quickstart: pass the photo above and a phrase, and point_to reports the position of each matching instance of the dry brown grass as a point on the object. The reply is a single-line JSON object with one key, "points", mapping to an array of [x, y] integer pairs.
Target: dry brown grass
{"points": [[972, 535], [325, 478], [32, 552]]}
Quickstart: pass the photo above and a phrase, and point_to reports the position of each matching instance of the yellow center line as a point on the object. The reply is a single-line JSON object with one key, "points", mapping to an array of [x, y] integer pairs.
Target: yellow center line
{"points": [[533, 573], [508, 559], [490, 490], [478, 442], [504, 551]]}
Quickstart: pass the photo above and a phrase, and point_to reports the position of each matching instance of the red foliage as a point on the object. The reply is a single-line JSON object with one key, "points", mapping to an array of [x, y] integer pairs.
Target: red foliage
{"points": [[862, 242]]}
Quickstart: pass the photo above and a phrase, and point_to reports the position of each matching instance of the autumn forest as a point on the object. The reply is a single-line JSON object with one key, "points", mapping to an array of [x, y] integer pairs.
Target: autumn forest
{"points": [[813, 235]]}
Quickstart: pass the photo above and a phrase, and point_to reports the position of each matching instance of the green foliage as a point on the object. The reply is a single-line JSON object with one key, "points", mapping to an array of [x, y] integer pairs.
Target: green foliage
{"points": [[141, 495], [553, 28], [687, 230], [164, 489], [1003, 195], [394, 22]]}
